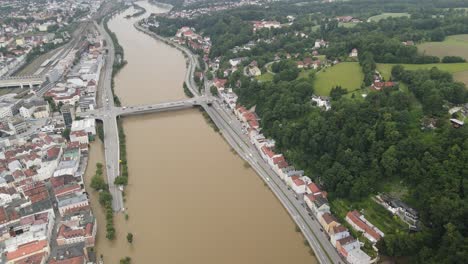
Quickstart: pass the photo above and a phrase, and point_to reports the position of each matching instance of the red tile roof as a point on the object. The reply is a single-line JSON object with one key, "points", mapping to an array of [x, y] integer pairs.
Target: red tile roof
{"points": [[313, 188], [268, 151], [3, 215], [79, 133], [26, 249], [74, 260], [354, 216], [34, 259], [298, 182], [53, 152]]}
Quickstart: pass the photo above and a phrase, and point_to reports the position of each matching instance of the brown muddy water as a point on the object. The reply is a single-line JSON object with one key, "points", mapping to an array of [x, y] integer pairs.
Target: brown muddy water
{"points": [[190, 199]]}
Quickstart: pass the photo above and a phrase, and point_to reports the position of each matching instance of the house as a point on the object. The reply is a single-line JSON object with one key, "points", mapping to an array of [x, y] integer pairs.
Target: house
{"points": [[317, 204], [67, 167], [88, 125], [298, 186], [265, 24], [64, 185], [300, 65], [456, 123], [401, 209], [254, 71], [38, 250], [236, 61], [322, 102], [379, 85], [77, 228], [344, 19], [312, 188], [354, 53], [357, 256], [328, 221], [337, 233], [408, 43], [72, 202], [219, 84], [359, 222], [319, 43], [79, 136]]}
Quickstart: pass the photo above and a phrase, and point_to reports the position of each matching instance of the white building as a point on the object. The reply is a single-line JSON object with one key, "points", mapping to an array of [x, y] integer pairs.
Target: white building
{"points": [[79, 136], [87, 125]]}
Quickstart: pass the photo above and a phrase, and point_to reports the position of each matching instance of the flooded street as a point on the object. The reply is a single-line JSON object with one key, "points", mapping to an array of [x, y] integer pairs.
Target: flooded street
{"points": [[190, 199]]}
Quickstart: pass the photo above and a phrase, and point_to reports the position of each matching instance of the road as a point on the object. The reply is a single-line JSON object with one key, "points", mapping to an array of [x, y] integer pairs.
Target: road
{"points": [[115, 111], [111, 132]]}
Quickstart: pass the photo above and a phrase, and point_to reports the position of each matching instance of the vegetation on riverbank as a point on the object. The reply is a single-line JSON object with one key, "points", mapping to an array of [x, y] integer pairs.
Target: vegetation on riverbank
{"points": [[119, 61], [100, 130], [105, 199], [122, 179], [187, 90]]}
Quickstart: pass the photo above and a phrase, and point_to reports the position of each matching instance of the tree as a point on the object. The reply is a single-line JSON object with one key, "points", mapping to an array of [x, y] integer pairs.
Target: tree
{"points": [[209, 75], [130, 238], [336, 92], [66, 133], [52, 105], [121, 180], [214, 90], [126, 260], [98, 183]]}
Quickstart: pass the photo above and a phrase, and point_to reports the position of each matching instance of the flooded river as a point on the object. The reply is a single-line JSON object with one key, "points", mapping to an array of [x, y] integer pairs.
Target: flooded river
{"points": [[190, 199]]}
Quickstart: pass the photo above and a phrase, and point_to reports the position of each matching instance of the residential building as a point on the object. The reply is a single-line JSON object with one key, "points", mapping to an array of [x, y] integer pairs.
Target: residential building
{"points": [[328, 221], [360, 223], [68, 113]]}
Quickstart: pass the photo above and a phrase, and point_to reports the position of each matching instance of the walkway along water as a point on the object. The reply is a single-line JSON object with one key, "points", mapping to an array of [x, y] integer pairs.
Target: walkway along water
{"points": [[190, 198]]}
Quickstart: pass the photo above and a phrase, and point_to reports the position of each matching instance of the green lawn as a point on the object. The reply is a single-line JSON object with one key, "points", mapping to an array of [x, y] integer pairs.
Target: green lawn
{"points": [[386, 68], [347, 25], [346, 74], [387, 15], [374, 213], [266, 77], [305, 73], [456, 45], [315, 28]]}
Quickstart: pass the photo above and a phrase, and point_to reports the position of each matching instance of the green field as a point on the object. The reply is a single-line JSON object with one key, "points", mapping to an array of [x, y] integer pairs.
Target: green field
{"points": [[461, 77], [266, 77], [456, 45], [347, 25], [387, 15], [458, 69], [346, 74]]}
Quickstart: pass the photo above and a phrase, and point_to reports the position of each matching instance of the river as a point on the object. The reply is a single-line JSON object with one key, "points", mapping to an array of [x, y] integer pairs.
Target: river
{"points": [[190, 198]]}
